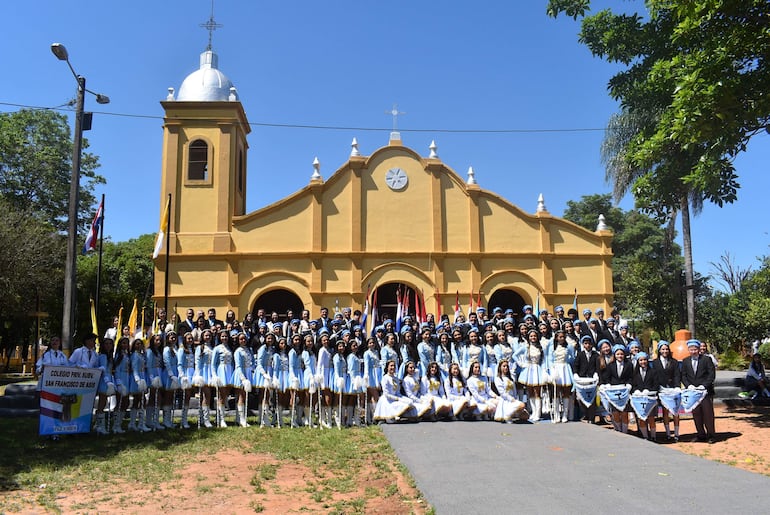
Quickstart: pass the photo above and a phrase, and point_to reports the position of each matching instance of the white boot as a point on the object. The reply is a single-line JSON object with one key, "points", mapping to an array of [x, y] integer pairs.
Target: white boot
{"points": [[326, 416], [355, 418], [242, 416], [571, 408], [118, 422], [264, 416], [206, 416], [184, 423], [537, 407], [567, 406], [99, 425], [307, 416], [140, 423], [221, 415], [279, 415], [133, 414], [168, 415]]}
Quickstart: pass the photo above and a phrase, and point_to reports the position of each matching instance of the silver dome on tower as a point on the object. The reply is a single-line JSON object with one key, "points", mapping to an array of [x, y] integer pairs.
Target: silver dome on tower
{"points": [[207, 84]]}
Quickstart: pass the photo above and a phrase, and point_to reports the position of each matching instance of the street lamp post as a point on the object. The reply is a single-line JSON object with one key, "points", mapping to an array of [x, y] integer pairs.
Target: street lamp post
{"points": [[70, 267]]}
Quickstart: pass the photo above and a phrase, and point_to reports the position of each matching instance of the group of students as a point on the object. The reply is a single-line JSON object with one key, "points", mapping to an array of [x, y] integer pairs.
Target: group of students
{"points": [[327, 372]]}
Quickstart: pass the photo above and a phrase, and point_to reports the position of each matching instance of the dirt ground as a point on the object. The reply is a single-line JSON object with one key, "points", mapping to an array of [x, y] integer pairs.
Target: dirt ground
{"points": [[742, 434]]}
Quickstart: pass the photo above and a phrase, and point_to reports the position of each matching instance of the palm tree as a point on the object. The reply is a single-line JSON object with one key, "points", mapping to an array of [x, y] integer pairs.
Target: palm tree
{"points": [[660, 189]]}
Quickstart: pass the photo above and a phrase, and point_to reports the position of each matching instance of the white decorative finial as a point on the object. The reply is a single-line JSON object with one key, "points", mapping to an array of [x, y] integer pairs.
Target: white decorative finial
{"points": [[602, 225], [354, 148], [471, 176], [233, 95], [541, 204], [170, 96], [316, 170], [433, 148]]}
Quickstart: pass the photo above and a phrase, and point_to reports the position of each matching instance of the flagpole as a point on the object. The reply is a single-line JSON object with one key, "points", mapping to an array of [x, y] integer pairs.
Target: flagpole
{"points": [[99, 267], [168, 251]]}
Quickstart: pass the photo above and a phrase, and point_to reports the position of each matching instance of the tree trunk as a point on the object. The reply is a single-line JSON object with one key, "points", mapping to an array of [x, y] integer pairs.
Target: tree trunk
{"points": [[684, 208]]}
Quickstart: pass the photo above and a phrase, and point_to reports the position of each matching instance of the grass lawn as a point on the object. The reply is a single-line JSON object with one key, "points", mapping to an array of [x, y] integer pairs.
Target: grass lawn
{"points": [[260, 470]]}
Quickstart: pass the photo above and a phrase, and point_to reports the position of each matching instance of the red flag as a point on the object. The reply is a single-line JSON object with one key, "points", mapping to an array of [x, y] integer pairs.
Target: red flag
{"points": [[457, 305], [478, 299], [470, 303], [406, 301], [422, 307], [417, 307], [438, 305]]}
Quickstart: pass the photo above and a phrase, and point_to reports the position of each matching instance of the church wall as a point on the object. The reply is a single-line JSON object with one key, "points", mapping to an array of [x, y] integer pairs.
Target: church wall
{"points": [[284, 227], [337, 214], [505, 230], [456, 230]]}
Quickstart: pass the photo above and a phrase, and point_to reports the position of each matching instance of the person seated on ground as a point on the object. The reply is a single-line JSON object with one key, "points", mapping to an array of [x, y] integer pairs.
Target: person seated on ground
{"points": [[756, 379], [391, 405], [478, 386]]}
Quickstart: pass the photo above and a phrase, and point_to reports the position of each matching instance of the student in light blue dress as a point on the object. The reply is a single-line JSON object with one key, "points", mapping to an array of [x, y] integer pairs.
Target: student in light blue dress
{"points": [[388, 352], [444, 354], [155, 376], [433, 389], [340, 383], [408, 350], [392, 405], [222, 366], [281, 381], [559, 365], [138, 386], [490, 340], [324, 377], [474, 351], [458, 344], [295, 378], [425, 349], [122, 375], [203, 378], [309, 386], [243, 365], [478, 387], [372, 377], [185, 358], [171, 382], [355, 385], [533, 375], [457, 393], [263, 376], [509, 407], [106, 387], [413, 390]]}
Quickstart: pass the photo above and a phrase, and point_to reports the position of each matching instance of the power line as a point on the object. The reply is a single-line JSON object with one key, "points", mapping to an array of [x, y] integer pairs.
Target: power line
{"points": [[336, 127]]}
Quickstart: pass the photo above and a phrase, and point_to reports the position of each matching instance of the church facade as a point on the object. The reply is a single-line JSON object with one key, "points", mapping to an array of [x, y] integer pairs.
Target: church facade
{"points": [[392, 220]]}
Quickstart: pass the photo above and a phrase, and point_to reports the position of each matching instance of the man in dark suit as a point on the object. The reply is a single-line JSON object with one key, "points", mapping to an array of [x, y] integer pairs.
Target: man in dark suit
{"points": [[188, 324], [323, 320], [699, 371], [586, 365]]}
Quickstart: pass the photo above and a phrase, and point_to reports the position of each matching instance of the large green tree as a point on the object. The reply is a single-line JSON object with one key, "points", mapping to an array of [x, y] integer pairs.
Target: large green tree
{"points": [[36, 164], [692, 94], [646, 265]]}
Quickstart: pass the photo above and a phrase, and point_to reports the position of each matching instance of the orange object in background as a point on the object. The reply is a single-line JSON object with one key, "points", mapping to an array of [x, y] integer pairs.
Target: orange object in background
{"points": [[679, 345]]}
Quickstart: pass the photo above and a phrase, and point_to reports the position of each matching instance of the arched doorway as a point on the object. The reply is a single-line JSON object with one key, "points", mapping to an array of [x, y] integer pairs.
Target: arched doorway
{"points": [[385, 300], [505, 298], [280, 301]]}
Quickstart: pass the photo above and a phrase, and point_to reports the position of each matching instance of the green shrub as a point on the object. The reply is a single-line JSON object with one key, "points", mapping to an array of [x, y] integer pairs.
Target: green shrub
{"points": [[732, 360], [764, 351]]}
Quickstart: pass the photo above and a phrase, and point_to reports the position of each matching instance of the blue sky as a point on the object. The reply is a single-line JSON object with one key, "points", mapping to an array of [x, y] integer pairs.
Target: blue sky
{"points": [[450, 66]]}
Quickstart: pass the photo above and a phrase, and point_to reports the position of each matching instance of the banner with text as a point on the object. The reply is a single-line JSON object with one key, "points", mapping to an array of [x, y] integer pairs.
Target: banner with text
{"points": [[67, 399]]}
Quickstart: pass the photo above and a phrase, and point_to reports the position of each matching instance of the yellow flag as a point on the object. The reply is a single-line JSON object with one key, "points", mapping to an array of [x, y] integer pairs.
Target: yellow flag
{"points": [[132, 320], [94, 327], [120, 322], [141, 329], [162, 230]]}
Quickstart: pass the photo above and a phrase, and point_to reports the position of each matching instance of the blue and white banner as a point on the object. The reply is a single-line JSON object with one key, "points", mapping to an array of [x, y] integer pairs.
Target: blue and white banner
{"points": [[692, 397], [67, 399], [644, 403]]}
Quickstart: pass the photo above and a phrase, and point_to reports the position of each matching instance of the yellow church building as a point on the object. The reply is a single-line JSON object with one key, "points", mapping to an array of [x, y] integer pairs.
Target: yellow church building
{"points": [[380, 222]]}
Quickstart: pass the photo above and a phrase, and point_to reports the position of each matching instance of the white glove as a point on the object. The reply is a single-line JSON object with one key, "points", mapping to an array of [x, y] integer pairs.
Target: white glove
{"points": [[267, 377], [141, 385], [110, 389], [311, 387], [275, 383], [174, 383], [319, 379], [340, 382], [156, 382], [185, 383], [246, 385], [198, 381], [358, 383], [366, 379], [294, 383], [216, 382], [122, 390]]}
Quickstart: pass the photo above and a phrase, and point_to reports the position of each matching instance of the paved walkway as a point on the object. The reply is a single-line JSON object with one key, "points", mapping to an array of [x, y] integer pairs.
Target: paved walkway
{"points": [[487, 467]]}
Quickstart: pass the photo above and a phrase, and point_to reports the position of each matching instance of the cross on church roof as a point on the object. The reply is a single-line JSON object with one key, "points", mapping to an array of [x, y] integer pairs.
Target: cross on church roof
{"points": [[395, 113], [211, 25]]}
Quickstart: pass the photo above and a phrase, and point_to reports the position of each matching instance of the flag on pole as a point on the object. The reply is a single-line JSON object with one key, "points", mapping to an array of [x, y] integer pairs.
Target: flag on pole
{"points": [[417, 307], [141, 328], [94, 327], [574, 301], [132, 320], [470, 303], [457, 305], [162, 232], [478, 300], [120, 322], [405, 310], [93, 233], [374, 312], [422, 307], [537, 307], [399, 309], [336, 305], [438, 305], [365, 315]]}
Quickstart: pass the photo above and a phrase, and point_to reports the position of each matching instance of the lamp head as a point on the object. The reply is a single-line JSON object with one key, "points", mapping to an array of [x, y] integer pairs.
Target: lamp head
{"points": [[60, 51], [102, 99]]}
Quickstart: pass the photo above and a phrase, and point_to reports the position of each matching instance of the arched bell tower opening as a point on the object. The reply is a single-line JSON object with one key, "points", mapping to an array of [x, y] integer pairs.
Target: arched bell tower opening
{"points": [[505, 298]]}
